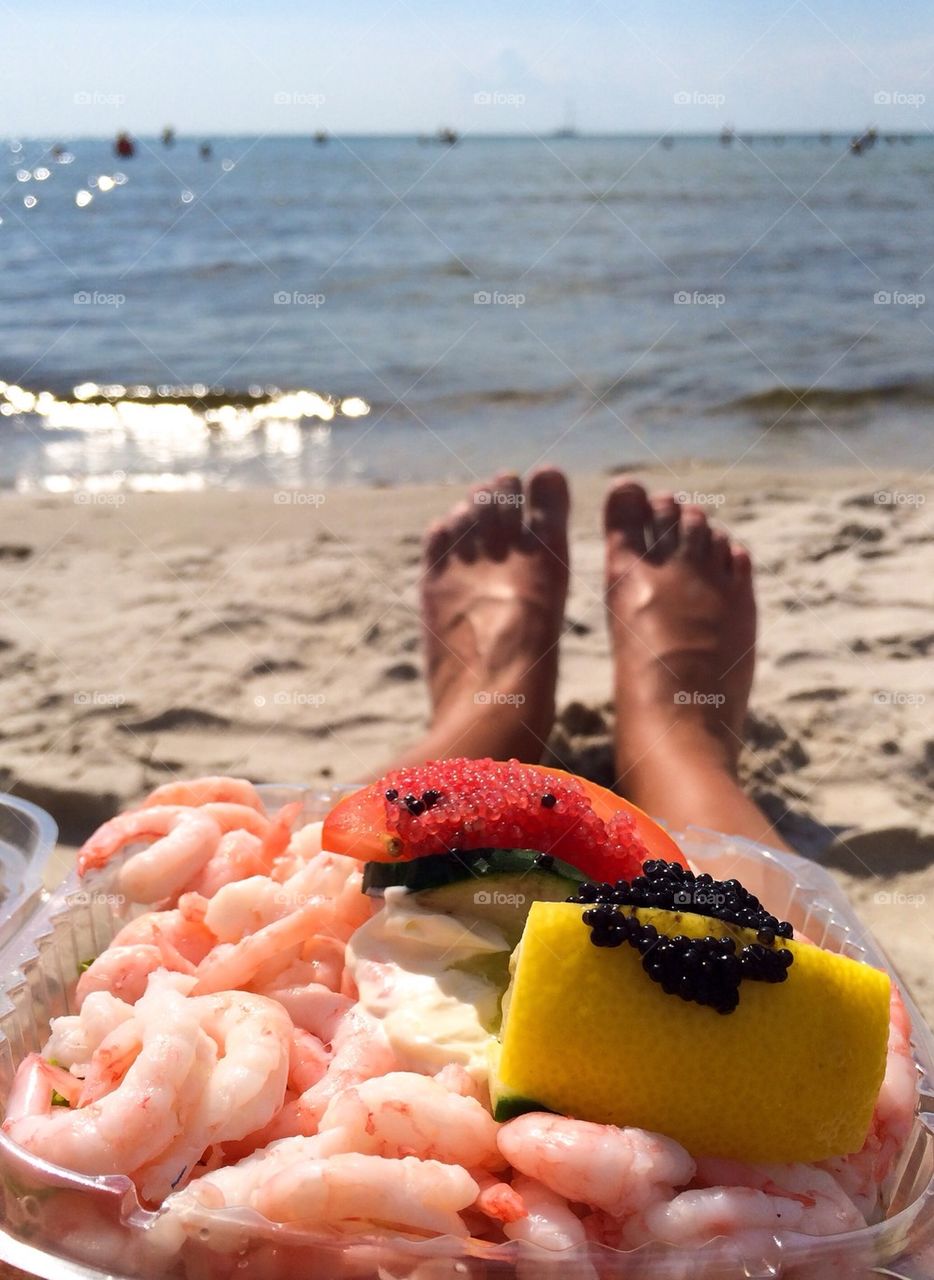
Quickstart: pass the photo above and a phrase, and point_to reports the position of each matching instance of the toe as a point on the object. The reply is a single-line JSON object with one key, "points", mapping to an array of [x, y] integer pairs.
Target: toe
{"points": [[742, 562], [508, 501], [721, 553], [666, 519], [626, 514], [695, 534], [436, 545], [462, 530], [549, 502]]}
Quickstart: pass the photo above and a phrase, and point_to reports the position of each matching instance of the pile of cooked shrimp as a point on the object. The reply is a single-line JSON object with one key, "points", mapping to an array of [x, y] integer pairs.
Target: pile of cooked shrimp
{"points": [[219, 1058]]}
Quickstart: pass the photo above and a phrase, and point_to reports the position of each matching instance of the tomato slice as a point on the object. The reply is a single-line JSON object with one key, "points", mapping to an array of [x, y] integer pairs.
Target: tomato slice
{"points": [[605, 803], [357, 825]]}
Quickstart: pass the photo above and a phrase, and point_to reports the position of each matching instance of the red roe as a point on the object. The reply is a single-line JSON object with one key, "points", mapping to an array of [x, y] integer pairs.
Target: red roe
{"points": [[473, 804]]}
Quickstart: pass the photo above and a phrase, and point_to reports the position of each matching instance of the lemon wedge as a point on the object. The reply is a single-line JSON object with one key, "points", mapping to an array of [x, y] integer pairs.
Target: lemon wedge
{"points": [[792, 1074]]}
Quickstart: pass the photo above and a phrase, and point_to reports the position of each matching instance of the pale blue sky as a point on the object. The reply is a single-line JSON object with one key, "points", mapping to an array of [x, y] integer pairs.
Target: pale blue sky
{"points": [[368, 66]]}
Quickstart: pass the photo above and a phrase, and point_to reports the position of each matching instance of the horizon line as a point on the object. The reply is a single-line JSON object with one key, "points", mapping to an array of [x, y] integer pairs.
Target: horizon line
{"points": [[553, 134]]}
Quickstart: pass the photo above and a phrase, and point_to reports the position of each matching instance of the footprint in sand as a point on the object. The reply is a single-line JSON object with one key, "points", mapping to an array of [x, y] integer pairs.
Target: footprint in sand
{"points": [[901, 648], [846, 537]]}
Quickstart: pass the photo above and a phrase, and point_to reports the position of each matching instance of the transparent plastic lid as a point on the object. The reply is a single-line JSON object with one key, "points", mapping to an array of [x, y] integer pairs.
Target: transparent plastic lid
{"points": [[64, 1226]]}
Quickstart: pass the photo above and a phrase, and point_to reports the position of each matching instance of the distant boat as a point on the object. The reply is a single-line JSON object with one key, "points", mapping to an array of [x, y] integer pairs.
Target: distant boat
{"points": [[321, 137], [124, 146], [568, 129], [448, 137], [205, 151], [727, 134], [667, 141], [168, 136]]}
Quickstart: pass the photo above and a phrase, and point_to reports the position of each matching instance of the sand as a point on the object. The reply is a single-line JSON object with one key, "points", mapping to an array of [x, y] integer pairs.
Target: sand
{"points": [[147, 636]]}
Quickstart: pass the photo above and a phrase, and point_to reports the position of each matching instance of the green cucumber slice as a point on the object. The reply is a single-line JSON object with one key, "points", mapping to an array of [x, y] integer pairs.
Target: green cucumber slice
{"points": [[503, 899], [436, 869]]}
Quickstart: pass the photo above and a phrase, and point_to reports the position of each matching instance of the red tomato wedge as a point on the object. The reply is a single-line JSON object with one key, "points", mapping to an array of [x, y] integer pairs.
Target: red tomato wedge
{"points": [[473, 804]]}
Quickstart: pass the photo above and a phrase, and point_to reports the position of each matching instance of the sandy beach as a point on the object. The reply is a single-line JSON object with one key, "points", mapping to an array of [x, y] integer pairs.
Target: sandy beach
{"points": [[276, 635]]}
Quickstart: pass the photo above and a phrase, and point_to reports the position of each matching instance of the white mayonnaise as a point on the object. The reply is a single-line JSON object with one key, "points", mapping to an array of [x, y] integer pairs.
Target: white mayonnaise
{"points": [[432, 980]]}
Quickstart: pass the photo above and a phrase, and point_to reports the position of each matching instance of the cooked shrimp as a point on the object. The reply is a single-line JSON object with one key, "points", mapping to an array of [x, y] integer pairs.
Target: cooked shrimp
{"points": [[304, 844], [617, 1170], [497, 1200], [324, 898], [320, 963], [32, 1088], [248, 905], [158, 939], [360, 1051], [277, 838], [253, 1037], [243, 853], [744, 1213], [179, 932], [133, 1123], [548, 1221], [457, 1079], [238, 856], [338, 880], [192, 1210], [308, 1060], [124, 972], [237, 817], [314, 1008], [234, 964], [827, 1208], [351, 1192], [403, 1114], [861, 1175], [75, 1036], [110, 1061], [208, 790], [244, 1084], [176, 1163], [183, 841], [244, 906], [324, 957]]}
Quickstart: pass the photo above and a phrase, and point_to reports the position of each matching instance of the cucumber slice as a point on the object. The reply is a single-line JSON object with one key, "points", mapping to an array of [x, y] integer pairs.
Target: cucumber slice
{"points": [[501, 898], [436, 869]]}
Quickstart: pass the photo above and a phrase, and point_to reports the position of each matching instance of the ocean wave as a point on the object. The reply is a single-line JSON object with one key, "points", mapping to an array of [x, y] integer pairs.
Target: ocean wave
{"points": [[511, 397], [775, 399]]}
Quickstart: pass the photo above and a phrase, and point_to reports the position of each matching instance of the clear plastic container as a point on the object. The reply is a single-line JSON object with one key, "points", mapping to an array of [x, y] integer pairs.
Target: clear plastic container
{"points": [[27, 840], [64, 1226]]}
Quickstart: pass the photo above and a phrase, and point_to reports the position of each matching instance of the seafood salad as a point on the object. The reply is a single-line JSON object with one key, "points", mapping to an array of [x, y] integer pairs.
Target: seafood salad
{"points": [[483, 1002]]}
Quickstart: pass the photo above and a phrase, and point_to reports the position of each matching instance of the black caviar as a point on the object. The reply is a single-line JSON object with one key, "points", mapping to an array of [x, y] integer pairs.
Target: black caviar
{"points": [[416, 805], [707, 970]]}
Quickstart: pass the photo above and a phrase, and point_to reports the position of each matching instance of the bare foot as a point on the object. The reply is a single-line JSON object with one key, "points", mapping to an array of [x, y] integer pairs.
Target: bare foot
{"points": [[494, 586], [682, 619]]}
